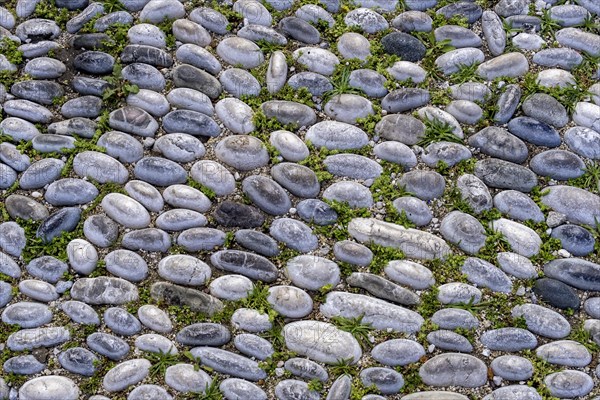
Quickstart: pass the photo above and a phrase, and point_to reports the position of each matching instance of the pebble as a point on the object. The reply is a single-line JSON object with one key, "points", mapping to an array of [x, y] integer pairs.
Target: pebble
{"points": [[229, 363], [154, 318], [565, 352], [316, 60], [145, 76], [464, 231], [336, 135], [312, 272], [277, 71], [458, 37], [516, 265], [126, 374], [290, 113], [250, 320], [185, 378], [290, 146], [300, 30], [248, 264], [289, 389], [316, 211], [518, 205], [37, 290], [576, 240], [575, 272], [47, 268], [569, 383], [543, 321], [453, 318], [510, 65], [558, 58], [190, 99], [398, 352], [253, 346], [29, 339], [352, 166], [514, 392], [512, 368], [27, 314], [266, 194], [231, 287], [405, 99], [243, 152], [108, 345], [502, 174], [294, 234], [458, 293], [580, 206], [104, 290], [352, 193], [454, 369], [239, 83], [204, 334], [240, 51], [382, 288], [187, 76], [522, 239], [51, 387], [78, 360]]}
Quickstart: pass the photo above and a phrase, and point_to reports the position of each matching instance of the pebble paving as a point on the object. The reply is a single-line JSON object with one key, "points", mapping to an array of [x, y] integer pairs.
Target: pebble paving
{"points": [[299, 199]]}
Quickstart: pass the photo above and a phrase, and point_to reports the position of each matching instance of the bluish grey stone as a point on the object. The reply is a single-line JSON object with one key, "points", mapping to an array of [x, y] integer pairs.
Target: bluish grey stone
{"points": [[312, 272], [100, 167], [336, 136], [458, 293], [154, 318], [576, 240], [316, 84], [187, 76], [244, 263], [27, 314], [518, 205], [8, 176], [267, 194], [239, 82], [186, 378], [78, 360], [341, 388], [534, 131], [471, 11], [82, 127], [512, 368], [289, 389], [508, 65], [257, 241], [242, 152], [190, 99], [276, 72], [405, 99], [448, 152], [121, 322], [38, 91], [493, 31], [306, 369], [156, 11], [565, 352], [569, 383], [139, 53], [579, 205], [316, 211], [53, 143], [575, 272], [10, 155], [159, 171], [229, 363], [125, 210], [558, 58], [458, 36], [77, 22], [149, 392], [104, 290], [253, 12], [204, 334], [180, 219], [592, 307], [387, 380], [426, 185], [50, 386], [297, 179], [450, 341], [37, 29], [229, 214], [47, 268], [403, 45], [126, 264], [294, 234], [199, 239], [240, 51], [353, 166], [474, 192], [18, 129], [370, 82], [485, 274], [231, 287], [12, 238], [89, 86], [454, 369], [557, 164], [464, 231], [38, 290], [543, 321], [41, 173], [198, 57], [100, 230], [397, 352], [299, 30], [317, 60], [187, 197], [522, 239], [352, 253], [121, 146], [210, 19], [516, 265], [256, 33], [133, 120], [253, 346], [154, 103], [502, 174], [251, 320], [514, 392], [69, 192], [144, 76], [125, 374], [190, 122], [9, 267], [29, 339], [289, 145], [289, 112], [80, 313], [453, 318], [147, 34], [465, 111], [290, 302], [350, 192], [579, 40], [413, 21], [314, 14], [178, 295], [382, 288], [94, 62]]}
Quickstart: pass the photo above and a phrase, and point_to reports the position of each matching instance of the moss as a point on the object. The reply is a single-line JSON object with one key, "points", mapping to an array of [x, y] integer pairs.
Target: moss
{"points": [[10, 49], [382, 256]]}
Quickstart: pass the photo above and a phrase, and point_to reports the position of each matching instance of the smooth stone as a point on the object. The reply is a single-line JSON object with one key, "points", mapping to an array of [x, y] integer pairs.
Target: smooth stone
{"points": [[413, 21], [159, 171], [516, 265], [38, 91], [579, 40], [37, 290], [257, 241], [502, 174], [9, 267], [306, 369], [154, 318], [454, 369], [290, 112], [350, 192], [316, 60], [52, 143], [405, 99], [558, 58], [185, 378], [485, 274], [543, 321], [149, 391], [353, 253], [70, 191], [510, 65], [36, 29], [474, 192], [231, 287], [370, 82], [305, 338], [214, 176], [210, 19], [277, 71], [534, 131], [179, 147], [104, 290], [126, 374], [178, 295], [94, 62], [341, 388], [312, 272], [229, 363], [569, 384], [139, 53], [183, 196], [266, 194], [82, 127], [27, 314], [100, 167], [458, 293], [201, 239], [231, 214], [426, 185], [184, 270], [575, 272], [294, 234], [592, 307], [522, 239], [557, 164], [239, 51], [204, 334], [405, 129], [512, 368], [353, 166], [257, 33], [449, 340], [546, 109], [19, 206], [12, 238], [518, 205], [190, 99], [290, 301], [336, 135], [47, 268], [514, 392], [403, 45], [145, 76], [187, 76], [49, 387], [348, 108], [453, 318], [251, 320], [471, 11], [300, 30], [314, 14], [458, 36], [289, 145], [148, 100], [387, 380], [121, 322], [464, 231], [244, 263], [465, 111], [555, 78], [397, 153], [125, 210], [432, 395], [6, 294], [239, 83], [571, 201], [290, 389], [316, 84], [80, 313], [147, 34], [586, 114], [379, 313], [410, 274], [11, 156], [108, 345], [565, 352], [493, 31], [316, 211], [253, 12], [398, 352], [127, 265], [576, 240], [242, 152], [83, 257], [366, 20], [29, 339], [190, 122], [382, 288], [41, 173], [78, 360], [146, 194]]}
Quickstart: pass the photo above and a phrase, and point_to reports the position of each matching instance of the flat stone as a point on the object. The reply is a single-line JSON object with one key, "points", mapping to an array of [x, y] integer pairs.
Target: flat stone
{"points": [[47, 268], [266, 194], [239, 82], [316, 211], [426, 185], [229, 213], [49, 387], [321, 341], [28, 339], [289, 112], [145, 76], [576, 272], [543, 321], [512, 368], [289, 146], [398, 352], [494, 32], [154, 318], [352, 193], [464, 231], [78, 360], [121, 322], [403, 45], [12, 238], [108, 345], [187, 76], [518, 205], [579, 40], [380, 314], [229, 363], [516, 265], [240, 51], [410, 274], [244, 263], [336, 135], [514, 392], [382, 288], [185, 378], [316, 60], [104, 290], [565, 352], [558, 58], [453, 318], [353, 166], [522, 239], [41, 173], [179, 295], [453, 369], [569, 384], [201, 239], [510, 65], [505, 175], [236, 115], [405, 99], [231, 287], [449, 340], [316, 84], [204, 334], [242, 152], [290, 302], [458, 293], [576, 240], [580, 206], [126, 374], [312, 272], [190, 122], [27, 314], [300, 30], [214, 176]]}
